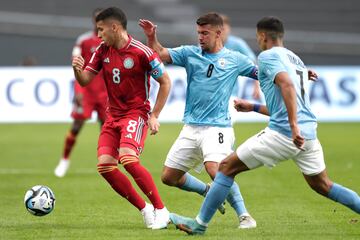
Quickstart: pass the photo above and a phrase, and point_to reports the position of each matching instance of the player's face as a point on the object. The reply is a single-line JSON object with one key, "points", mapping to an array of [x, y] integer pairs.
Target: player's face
{"points": [[208, 36], [105, 32], [261, 40]]}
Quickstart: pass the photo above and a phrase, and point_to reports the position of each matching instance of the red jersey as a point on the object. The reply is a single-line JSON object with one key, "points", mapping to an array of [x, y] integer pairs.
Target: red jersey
{"points": [[86, 45], [126, 72]]}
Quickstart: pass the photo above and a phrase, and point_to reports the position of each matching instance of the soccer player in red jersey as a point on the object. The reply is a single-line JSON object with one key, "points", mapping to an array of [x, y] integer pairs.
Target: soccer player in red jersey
{"points": [[86, 99], [127, 65]]}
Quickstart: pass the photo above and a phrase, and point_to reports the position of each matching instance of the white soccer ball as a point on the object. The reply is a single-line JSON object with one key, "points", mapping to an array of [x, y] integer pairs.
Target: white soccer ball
{"points": [[39, 200]]}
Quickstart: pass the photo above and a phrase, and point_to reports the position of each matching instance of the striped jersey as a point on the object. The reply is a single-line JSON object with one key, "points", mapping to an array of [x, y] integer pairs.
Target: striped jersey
{"points": [[126, 73]]}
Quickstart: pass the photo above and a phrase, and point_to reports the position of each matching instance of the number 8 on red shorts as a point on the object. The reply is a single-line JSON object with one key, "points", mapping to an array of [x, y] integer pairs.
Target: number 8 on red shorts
{"points": [[129, 132]]}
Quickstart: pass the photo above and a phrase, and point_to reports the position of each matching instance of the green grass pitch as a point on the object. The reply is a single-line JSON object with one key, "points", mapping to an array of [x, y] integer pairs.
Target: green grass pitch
{"points": [[87, 208]]}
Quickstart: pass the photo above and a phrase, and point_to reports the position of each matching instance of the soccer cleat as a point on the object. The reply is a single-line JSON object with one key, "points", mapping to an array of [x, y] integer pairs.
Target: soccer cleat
{"points": [[162, 219], [188, 225], [221, 208], [62, 167], [148, 215], [246, 221]]}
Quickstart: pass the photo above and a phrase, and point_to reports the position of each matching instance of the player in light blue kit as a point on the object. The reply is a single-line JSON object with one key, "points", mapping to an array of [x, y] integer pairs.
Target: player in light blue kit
{"points": [[291, 133], [235, 43], [207, 136], [238, 44]]}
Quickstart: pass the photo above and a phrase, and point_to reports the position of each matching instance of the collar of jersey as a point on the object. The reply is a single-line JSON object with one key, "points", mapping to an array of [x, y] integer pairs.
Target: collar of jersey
{"points": [[214, 54]]}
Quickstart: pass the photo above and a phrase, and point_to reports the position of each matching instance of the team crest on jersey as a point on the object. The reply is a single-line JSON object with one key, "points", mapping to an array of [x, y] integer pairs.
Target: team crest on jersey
{"points": [[222, 62], [128, 63]]}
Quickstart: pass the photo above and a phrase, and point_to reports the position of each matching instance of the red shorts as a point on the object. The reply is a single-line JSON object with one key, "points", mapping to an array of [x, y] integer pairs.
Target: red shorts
{"points": [[84, 112], [129, 131]]}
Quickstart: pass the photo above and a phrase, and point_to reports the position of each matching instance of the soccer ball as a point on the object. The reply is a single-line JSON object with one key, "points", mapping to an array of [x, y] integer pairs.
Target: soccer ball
{"points": [[39, 200]]}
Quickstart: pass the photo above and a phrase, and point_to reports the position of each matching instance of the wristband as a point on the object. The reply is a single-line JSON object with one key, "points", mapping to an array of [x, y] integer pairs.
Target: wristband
{"points": [[256, 107]]}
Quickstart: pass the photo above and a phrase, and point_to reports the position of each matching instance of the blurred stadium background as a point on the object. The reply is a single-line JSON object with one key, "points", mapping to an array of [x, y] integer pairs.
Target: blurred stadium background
{"points": [[323, 32]]}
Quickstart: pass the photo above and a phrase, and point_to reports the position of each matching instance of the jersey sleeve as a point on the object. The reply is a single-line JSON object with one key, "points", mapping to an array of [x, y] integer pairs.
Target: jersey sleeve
{"points": [[96, 60], [178, 55], [270, 64], [247, 68], [157, 68]]}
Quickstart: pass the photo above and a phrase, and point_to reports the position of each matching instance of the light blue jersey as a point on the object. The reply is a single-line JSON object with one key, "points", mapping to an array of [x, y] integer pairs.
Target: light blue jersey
{"points": [[276, 60], [210, 80], [239, 45]]}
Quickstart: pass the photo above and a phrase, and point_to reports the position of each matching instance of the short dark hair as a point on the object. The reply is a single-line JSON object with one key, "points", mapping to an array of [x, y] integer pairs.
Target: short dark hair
{"points": [[273, 26], [112, 13], [211, 18]]}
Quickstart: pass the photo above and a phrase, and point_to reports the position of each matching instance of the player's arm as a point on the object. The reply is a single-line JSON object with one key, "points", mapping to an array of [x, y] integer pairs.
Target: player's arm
{"points": [[163, 93], [287, 89], [83, 77], [164, 90], [159, 73], [257, 91], [242, 105], [152, 41]]}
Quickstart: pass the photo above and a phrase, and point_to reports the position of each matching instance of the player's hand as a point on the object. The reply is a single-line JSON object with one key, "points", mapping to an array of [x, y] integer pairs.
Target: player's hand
{"points": [[242, 105], [148, 27], [298, 140], [78, 63], [312, 75], [153, 124]]}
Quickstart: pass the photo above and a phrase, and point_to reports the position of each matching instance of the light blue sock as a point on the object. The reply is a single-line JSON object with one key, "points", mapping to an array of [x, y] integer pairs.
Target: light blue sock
{"points": [[215, 197], [192, 184], [345, 196], [236, 200]]}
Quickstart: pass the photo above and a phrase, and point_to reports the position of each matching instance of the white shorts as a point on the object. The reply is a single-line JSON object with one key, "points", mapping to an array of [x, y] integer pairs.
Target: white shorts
{"points": [[270, 147], [198, 144]]}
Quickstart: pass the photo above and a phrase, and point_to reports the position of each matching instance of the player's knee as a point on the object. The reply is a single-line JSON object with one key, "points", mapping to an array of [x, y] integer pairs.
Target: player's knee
{"points": [[212, 168], [104, 168], [106, 159], [75, 131], [225, 167], [128, 160], [77, 127], [232, 165]]}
